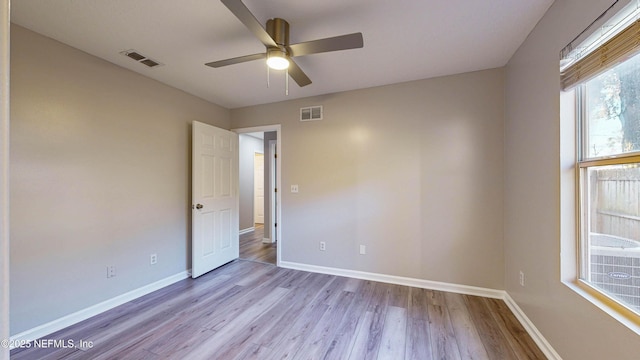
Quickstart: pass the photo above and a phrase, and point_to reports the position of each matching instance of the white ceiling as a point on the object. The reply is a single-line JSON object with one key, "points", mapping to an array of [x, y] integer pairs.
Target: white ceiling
{"points": [[403, 40]]}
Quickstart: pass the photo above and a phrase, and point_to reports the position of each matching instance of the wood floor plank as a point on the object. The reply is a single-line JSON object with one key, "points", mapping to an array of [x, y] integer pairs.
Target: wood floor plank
{"points": [[335, 290], [523, 346], [394, 334], [398, 296], [378, 309], [345, 332], [256, 276], [297, 334], [293, 308], [435, 297], [418, 304], [238, 304], [359, 342], [172, 339], [202, 313], [352, 285], [418, 340], [443, 341], [253, 352], [135, 353], [494, 341], [269, 324], [252, 310], [221, 340], [466, 334], [294, 279], [319, 340], [301, 322], [379, 298]]}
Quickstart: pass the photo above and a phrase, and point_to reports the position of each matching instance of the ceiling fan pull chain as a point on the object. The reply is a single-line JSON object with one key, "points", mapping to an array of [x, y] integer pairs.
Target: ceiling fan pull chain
{"points": [[286, 86]]}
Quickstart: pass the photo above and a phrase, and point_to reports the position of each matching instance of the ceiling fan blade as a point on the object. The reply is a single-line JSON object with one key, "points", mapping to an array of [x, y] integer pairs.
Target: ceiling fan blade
{"points": [[246, 17], [343, 42], [236, 60], [297, 74]]}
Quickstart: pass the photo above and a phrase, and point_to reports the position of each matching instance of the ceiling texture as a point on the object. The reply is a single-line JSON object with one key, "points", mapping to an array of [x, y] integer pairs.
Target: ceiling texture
{"points": [[404, 40]]}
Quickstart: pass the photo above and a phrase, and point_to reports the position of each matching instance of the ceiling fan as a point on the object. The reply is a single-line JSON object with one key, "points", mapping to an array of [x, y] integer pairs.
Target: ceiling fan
{"points": [[276, 39]]}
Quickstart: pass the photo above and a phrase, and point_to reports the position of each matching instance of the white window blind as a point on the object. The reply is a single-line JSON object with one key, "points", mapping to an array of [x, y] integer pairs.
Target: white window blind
{"points": [[613, 37]]}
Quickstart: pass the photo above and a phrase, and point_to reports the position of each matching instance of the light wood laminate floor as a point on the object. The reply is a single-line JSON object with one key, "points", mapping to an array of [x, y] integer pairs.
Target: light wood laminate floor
{"points": [[251, 310], [252, 247]]}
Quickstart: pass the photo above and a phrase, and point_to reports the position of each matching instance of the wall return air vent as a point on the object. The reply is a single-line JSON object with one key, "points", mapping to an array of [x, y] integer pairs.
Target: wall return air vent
{"points": [[140, 58], [311, 113]]}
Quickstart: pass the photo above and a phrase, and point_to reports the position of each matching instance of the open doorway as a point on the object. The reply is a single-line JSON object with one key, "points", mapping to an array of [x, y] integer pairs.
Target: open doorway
{"points": [[258, 205]]}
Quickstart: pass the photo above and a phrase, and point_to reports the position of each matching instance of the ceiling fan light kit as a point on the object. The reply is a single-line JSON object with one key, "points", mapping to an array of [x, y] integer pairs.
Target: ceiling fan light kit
{"points": [[279, 52], [277, 59]]}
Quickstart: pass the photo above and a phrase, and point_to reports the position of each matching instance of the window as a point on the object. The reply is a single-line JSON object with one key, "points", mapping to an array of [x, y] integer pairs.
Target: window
{"points": [[607, 87], [609, 180]]}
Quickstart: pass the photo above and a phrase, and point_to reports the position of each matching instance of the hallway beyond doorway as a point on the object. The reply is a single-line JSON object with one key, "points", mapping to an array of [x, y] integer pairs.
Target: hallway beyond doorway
{"points": [[252, 248]]}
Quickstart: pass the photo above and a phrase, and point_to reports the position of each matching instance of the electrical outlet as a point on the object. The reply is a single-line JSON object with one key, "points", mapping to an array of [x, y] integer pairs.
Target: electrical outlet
{"points": [[363, 249], [294, 189], [153, 259], [521, 278], [323, 246], [111, 271]]}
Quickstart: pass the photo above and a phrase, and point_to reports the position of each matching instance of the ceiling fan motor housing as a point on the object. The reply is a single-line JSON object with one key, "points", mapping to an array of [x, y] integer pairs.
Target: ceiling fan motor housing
{"points": [[278, 29]]}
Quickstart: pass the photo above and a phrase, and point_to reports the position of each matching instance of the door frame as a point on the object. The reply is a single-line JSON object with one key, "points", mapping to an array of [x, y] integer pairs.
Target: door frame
{"points": [[278, 129]]}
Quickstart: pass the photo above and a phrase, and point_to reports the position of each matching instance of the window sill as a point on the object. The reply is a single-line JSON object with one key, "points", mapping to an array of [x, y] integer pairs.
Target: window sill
{"points": [[623, 315]]}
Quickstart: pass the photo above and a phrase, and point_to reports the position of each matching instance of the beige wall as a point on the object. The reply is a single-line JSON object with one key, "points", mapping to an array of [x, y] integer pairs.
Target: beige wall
{"points": [[100, 161], [533, 220], [247, 150], [413, 171], [4, 175]]}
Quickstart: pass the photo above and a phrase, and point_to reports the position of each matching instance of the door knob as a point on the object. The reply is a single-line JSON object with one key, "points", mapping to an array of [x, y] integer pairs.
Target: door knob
{"points": [[199, 206]]}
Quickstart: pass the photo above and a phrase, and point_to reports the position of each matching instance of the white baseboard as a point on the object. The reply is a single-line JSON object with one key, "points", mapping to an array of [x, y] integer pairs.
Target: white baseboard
{"points": [[535, 334], [399, 280], [266, 241], [537, 337], [247, 230], [71, 319]]}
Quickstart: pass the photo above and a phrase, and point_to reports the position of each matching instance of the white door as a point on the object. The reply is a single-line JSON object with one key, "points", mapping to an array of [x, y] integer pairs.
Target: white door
{"points": [[258, 188], [214, 157]]}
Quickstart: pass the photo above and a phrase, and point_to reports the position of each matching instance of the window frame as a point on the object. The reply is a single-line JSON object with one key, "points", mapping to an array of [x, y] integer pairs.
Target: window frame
{"points": [[582, 165]]}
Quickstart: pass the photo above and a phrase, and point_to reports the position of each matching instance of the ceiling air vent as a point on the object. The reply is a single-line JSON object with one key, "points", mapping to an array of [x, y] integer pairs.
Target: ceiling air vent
{"points": [[311, 113], [135, 56], [149, 62], [140, 58]]}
